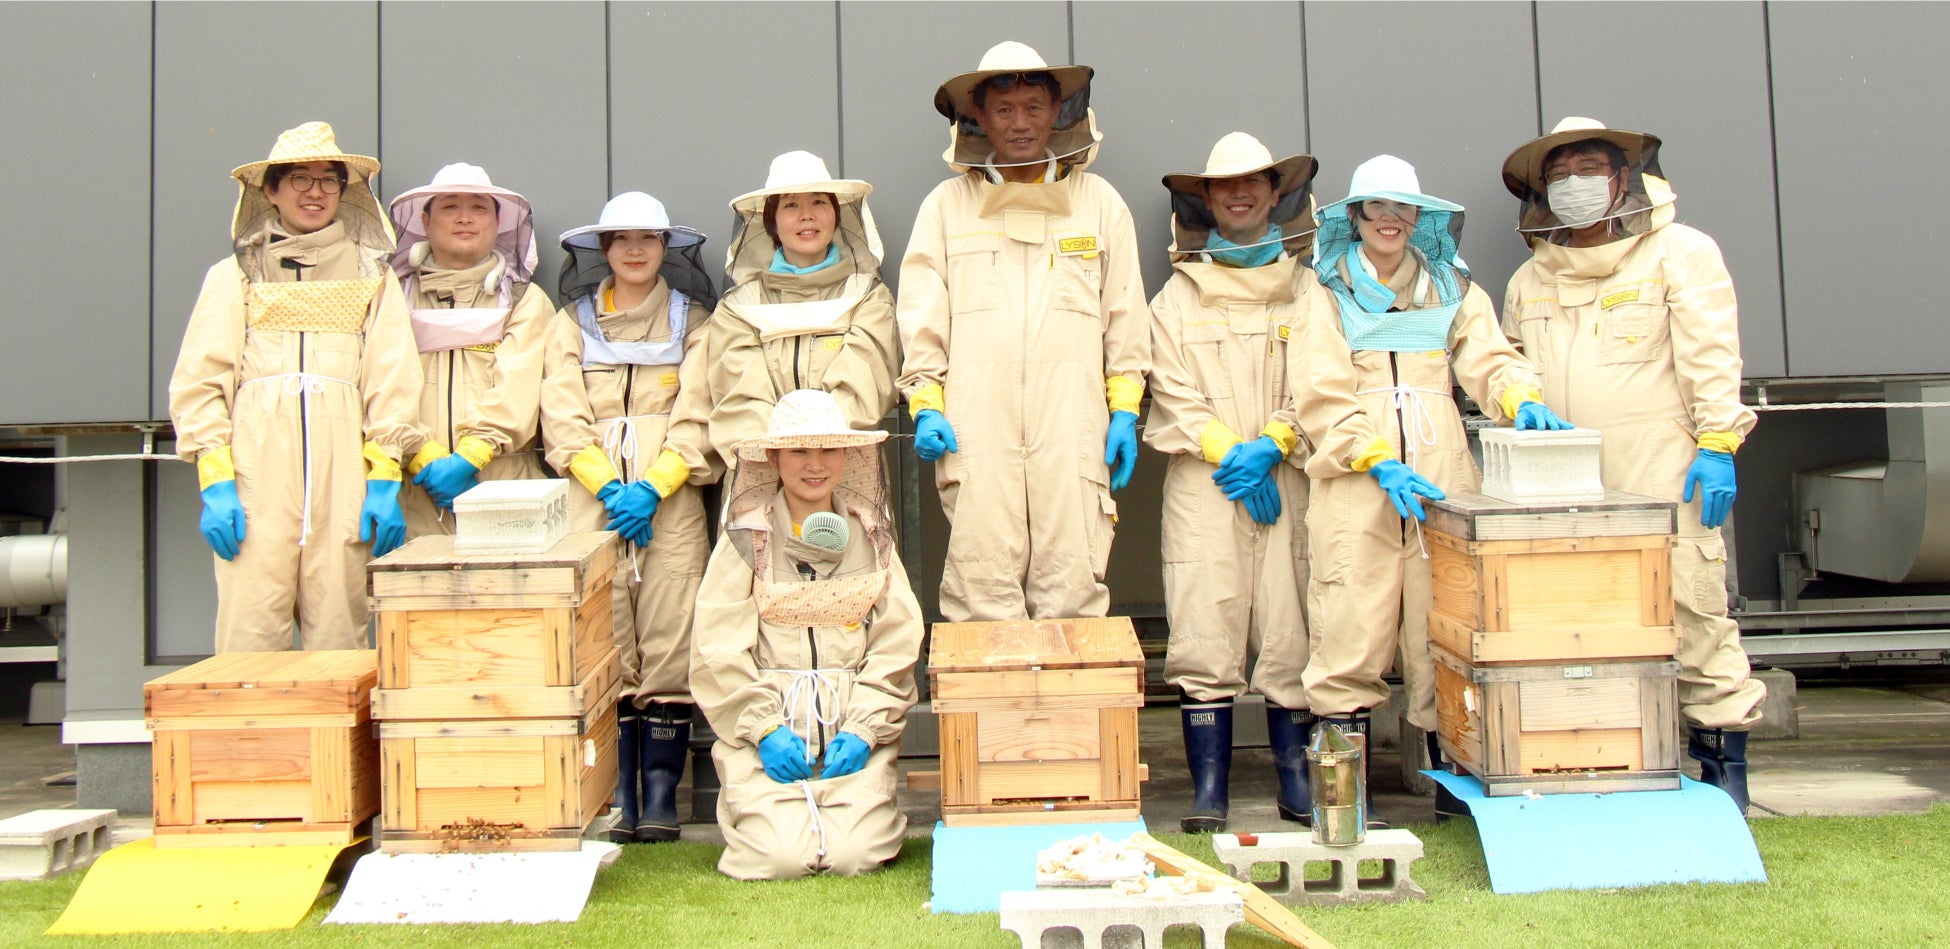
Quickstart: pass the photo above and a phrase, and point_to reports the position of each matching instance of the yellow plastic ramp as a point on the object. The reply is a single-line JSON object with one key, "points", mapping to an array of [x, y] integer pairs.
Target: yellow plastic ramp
{"points": [[136, 888]]}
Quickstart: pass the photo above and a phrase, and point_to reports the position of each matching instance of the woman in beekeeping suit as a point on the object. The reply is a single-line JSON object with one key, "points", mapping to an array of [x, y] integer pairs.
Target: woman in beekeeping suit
{"points": [[1370, 371], [294, 394], [803, 660], [807, 309], [466, 260], [622, 368]]}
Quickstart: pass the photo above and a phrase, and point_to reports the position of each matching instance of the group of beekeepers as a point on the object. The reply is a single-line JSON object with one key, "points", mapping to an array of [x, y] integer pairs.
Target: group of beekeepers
{"points": [[351, 369]]}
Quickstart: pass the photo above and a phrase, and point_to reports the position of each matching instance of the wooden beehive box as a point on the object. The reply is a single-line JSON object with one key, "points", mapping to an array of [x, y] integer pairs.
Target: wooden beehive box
{"points": [[1560, 728], [1552, 583], [1038, 720], [264, 748]]}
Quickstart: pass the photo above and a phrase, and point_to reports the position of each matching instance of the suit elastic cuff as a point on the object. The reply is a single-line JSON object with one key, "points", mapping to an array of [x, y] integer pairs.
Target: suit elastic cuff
{"points": [[1725, 443], [668, 474], [592, 469], [1515, 396], [929, 396], [477, 451], [1377, 452], [1123, 394], [214, 466], [1282, 435], [380, 465], [1216, 439], [428, 454]]}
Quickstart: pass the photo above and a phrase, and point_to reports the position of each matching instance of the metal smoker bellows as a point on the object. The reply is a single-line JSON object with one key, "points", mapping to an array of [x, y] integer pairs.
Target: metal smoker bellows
{"points": [[1339, 782]]}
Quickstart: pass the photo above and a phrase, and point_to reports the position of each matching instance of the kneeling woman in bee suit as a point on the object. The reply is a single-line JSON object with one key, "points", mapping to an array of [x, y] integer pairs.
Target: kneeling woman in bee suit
{"points": [[803, 653]]}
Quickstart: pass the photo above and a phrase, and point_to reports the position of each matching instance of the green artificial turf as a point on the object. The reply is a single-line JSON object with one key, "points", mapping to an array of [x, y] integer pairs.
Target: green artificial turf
{"points": [[1833, 881]]}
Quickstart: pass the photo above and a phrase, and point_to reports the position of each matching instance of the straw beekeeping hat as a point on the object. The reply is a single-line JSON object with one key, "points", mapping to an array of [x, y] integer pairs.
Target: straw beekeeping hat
{"points": [[359, 209], [956, 97], [807, 418], [800, 172], [1523, 171], [1238, 155]]}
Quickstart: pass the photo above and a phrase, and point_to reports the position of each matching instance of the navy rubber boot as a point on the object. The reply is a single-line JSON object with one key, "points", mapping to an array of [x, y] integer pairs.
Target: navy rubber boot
{"points": [[1208, 753], [1287, 731], [1722, 757], [628, 735], [666, 742], [1446, 804]]}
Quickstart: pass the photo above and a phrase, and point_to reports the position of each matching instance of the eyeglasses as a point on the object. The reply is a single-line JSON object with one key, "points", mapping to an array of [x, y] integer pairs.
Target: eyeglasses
{"points": [[302, 182], [1595, 167], [1375, 209], [1006, 81]]}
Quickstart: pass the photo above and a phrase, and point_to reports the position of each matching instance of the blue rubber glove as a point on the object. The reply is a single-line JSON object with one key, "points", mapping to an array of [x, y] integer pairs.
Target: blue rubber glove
{"points": [[1403, 484], [447, 478], [1120, 448], [845, 754], [933, 435], [631, 509], [223, 519], [783, 754], [1712, 472], [1245, 466], [1535, 416], [1263, 502], [380, 521]]}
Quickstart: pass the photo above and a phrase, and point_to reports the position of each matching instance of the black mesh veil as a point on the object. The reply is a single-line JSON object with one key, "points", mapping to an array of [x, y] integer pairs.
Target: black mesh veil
{"points": [[585, 269]]}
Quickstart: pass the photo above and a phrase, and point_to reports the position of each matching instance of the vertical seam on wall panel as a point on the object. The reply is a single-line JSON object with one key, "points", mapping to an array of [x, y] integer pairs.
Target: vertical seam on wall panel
{"points": [[1306, 88], [1774, 162], [1537, 65], [1070, 24], [609, 103], [378, 83], [839, 92], [149, 394]]}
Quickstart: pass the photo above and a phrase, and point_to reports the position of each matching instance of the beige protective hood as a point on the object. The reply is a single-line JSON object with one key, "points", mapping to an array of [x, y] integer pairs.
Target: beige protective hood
{"points": [[364, 217], [751, 249], [1075, 138]]}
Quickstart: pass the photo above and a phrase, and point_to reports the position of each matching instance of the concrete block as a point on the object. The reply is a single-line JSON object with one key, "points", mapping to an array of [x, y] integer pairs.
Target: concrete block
{"points": [[1106, 920], [511, 517], [1397, 850], [1542, 467], [41, 844], [1779, 714]]}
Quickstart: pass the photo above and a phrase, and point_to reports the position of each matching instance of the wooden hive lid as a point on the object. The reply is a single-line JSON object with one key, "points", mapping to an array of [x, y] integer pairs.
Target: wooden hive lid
{"points": [[1470, 516], [1086, 643], [436, 552], [353, 670]]}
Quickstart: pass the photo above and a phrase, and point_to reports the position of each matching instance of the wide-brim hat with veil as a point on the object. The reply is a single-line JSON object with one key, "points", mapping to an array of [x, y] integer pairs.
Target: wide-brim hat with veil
{"points": [[1236, 156], [585, 268], [1074, 139], [359, 209], [802, 172], [1438, 228], [1524, 173], [514, 236]]}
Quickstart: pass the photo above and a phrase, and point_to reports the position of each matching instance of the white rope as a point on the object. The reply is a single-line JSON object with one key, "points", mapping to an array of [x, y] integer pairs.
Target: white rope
{"points": [[801, 706], [812, 811], [1807, 406], [1417, 423], [17, 460]]}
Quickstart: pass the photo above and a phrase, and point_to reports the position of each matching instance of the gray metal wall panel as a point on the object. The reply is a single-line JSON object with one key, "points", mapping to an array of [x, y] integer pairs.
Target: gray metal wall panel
{"points": [[229, 78], [1174, 77], [893, 56], [533, 114], [1449, 87], [1702, 88], [703, 95], [1858, 93], [74, 86]]}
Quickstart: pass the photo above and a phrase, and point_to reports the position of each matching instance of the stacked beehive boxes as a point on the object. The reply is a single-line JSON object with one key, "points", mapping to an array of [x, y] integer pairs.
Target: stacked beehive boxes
{"points": [[498, 682], [264, 748], [1553, 638], [1038, 720]]}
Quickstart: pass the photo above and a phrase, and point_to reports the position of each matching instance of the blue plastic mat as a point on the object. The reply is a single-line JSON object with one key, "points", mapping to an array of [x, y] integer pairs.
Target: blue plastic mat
{"points": [[1625, 838], [974, 866]]}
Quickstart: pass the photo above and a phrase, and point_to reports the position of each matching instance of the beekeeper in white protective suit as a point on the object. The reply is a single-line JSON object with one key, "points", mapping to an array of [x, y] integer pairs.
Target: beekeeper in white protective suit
{"points": [[1371, 377], [1631, 322], [294, 393], [807, 309], [1235, 559], [804, 651], [1026, 342], [467, 261]]}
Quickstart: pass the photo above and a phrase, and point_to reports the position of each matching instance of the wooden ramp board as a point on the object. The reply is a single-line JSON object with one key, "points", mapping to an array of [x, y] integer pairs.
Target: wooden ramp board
{"points": [[417, 888], [136, 888], [1600, 841], [1261, 910]]}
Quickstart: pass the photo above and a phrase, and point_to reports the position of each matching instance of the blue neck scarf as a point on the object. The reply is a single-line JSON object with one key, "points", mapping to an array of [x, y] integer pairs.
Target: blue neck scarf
{"points": [[779, 264], [1259, 254], [1368, 325]]}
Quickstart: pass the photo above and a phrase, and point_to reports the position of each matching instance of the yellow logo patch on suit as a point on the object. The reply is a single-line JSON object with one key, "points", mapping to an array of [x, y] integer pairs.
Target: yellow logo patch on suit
{"points": [[1085, 246], [1622, 296], [667, 379]]}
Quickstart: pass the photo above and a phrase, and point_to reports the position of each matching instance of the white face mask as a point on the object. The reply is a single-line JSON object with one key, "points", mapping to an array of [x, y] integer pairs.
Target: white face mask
{"points": [[1580, 199]]}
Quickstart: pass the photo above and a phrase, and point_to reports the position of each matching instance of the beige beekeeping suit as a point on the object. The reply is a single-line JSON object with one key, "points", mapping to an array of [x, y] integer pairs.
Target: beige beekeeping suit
{"points": [[298, 376], [623, 414], [1639, 338], [1370, 591], [774, 650], [1022, 319]]}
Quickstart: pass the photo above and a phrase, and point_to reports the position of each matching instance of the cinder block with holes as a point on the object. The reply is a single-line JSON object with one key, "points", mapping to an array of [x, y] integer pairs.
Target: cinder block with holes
{"points": [[41, 844], [1396, 850], [1109, 921], [1542, 467], [512, 517]]}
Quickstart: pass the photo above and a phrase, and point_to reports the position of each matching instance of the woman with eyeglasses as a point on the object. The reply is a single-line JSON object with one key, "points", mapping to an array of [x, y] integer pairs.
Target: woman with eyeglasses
{"points": [[295, 394], [1371, 377]]}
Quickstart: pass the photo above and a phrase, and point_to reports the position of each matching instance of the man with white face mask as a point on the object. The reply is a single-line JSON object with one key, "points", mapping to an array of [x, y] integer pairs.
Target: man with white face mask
{"points": [[1630, 321]]}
